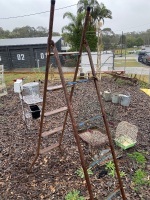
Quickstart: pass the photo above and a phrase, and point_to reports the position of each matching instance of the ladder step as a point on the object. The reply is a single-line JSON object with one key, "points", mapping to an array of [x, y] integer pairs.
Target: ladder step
{"points": [[56, 87], [67, 53], [88, 120], [112, 194], [55, 111], [55, 130], [47, 149]]}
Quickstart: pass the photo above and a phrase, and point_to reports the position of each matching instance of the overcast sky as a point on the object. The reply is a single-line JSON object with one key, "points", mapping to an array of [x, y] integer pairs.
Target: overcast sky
{"points": [[128, 15]]}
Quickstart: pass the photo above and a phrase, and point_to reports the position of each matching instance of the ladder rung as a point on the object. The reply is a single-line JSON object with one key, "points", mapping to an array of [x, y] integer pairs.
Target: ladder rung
{"points": [[88, 120], [112, 194], [56, 87], [55, 130], [47, 149], [55, 111], [67, 53]]}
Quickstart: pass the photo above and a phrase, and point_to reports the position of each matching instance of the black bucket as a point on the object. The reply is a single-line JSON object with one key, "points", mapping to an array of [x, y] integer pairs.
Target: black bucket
{"points": [[35, 111]]}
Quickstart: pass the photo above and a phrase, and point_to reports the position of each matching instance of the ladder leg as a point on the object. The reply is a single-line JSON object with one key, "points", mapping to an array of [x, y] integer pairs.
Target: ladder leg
{"points": [[78, 63], [33, 162], [73, 121], [105, 121], [65, 121], [46, 81]]}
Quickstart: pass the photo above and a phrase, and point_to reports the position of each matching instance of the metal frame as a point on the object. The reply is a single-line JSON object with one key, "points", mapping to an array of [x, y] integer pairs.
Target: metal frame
{"points": [[68, 98]]}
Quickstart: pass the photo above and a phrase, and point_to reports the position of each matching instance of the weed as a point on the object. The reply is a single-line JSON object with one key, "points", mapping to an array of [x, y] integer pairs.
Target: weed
{"points": [[140, 178], [139, 158], [80, 172], [110, 166], [122, 174], [74, 195]]}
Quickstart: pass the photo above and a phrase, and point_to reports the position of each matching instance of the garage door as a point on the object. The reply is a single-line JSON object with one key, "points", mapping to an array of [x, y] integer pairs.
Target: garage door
{"points": [[4, 60], [40, 58], [20, 58]]}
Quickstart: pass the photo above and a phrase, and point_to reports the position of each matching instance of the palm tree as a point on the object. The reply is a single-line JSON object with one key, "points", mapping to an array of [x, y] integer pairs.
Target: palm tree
{"points": [[98, 12], [83, 4], [73, 31]]}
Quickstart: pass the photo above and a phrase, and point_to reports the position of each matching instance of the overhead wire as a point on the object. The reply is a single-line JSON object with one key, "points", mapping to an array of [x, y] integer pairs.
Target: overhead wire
{"points": [[38, 13], [43, 12]]}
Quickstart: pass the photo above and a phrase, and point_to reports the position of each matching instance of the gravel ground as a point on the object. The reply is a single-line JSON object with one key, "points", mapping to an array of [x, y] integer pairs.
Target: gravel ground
{"points": [[54, 175]]}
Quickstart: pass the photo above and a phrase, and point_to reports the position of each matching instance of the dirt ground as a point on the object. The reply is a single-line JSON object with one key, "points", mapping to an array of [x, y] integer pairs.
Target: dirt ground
{"points": [[54, 174]]}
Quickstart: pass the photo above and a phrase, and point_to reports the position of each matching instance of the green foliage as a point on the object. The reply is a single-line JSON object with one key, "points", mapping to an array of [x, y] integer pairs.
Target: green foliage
{"points": [[133, 41], [72, 32], [98, 11], [140, 178], [80, 172], [26, 31], [122, 174], [139, 158], [74, 195], [110, 166]]}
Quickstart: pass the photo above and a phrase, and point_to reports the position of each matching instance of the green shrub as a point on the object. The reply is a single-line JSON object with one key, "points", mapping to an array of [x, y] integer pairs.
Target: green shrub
{"points": [[80, 172], [74, 195], [110, 166], [139, 158], [140, 178]]}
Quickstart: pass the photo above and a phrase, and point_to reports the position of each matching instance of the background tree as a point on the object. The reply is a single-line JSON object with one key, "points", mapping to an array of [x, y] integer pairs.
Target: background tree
{"points": [[73, 31], [26, 31], [98, 11]]}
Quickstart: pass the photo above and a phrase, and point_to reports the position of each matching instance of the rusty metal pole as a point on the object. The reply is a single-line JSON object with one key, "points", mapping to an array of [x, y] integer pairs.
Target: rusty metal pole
{"points": [[46, 80], [78, 63], [73, 121], [105, 121]]}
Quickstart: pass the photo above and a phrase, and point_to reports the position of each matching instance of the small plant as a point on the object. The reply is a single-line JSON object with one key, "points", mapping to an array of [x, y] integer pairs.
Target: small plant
{"points": [[140, 178], [80, 172], [122, 174], [74, 195], [139, 158], [110, 166]]}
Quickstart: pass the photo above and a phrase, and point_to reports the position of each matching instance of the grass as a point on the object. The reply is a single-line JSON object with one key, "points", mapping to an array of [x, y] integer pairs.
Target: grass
{"points": [[128, 63], [32, 76], [118, 51], [144, 80]]}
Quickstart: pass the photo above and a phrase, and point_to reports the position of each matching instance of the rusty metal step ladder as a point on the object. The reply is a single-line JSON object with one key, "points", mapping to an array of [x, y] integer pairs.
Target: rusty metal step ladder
{"points": [[68, 107]]}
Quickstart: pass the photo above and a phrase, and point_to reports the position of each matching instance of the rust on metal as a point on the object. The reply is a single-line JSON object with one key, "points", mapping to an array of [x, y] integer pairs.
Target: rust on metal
{"points": [[73, 123], [105, 121], [112, 194], [46, 80]]}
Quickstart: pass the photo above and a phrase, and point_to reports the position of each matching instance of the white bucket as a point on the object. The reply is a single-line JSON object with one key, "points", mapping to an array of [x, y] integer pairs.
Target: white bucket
{"points": [[125, 99], [115, 98], [107, 95]]}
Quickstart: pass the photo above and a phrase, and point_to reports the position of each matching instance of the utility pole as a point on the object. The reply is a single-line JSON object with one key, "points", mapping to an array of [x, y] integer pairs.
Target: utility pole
{"points": [[99, 32], [121, 43]]}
